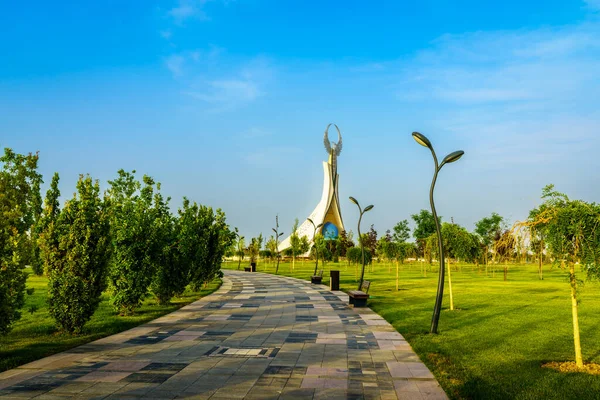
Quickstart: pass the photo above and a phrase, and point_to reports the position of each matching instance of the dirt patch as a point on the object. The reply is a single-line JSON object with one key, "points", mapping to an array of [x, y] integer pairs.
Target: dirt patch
{"points": [[570, 366]]}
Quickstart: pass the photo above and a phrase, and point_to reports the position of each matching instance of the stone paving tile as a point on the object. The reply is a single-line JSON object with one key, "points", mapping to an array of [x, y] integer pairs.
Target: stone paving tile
{"points": [[258, 337]]}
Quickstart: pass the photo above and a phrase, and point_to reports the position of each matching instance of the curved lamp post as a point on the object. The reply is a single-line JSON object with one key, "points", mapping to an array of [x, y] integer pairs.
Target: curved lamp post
{"points": [[454, 156], [315, 242], [362, 246], [277, 236]]}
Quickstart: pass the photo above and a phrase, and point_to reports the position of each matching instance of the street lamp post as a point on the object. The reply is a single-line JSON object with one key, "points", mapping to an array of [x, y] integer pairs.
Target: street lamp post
{"points": [[277, 236], [362, 246], [454, 156], [315, 242]]}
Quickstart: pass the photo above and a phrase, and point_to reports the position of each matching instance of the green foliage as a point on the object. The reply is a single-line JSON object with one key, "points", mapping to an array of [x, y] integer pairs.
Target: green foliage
{"points": [[344, 243], [271, 247], [424, 224], [136, 241], [571, 229], [458, 243], [19, 181], [489, 229], [208, 238], [304, 245], [424, 228], [405, 250], [80, 255], [386, 248], [254, 247], [172, 268], [35, 259], [295, 241], [45, 227], [354, 255], [369, 240], [401, 232]]}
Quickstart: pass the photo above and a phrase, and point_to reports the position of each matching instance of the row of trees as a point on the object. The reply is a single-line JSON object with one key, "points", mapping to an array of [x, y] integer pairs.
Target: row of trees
{"points": [[491, 240], [125, 241]]}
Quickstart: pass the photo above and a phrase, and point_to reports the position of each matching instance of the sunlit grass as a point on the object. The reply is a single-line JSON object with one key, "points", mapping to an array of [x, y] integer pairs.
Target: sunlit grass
{"points": [[494, 344], [35, 335]]}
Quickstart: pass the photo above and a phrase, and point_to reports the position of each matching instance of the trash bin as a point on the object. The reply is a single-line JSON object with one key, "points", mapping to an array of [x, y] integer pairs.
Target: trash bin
{"points": [[334, 280], [253, 267]]}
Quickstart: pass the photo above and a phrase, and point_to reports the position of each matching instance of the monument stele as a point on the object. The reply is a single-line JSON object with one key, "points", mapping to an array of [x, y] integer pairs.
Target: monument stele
{"points": [[327, 210]]}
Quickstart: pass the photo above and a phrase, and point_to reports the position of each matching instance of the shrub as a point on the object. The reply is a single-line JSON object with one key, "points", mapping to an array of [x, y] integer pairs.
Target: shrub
{"points": [[77, 272]]}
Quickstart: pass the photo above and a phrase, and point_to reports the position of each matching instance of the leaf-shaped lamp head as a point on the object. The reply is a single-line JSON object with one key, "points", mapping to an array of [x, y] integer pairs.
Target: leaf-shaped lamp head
{"points": [[367, 208], [454, 156], [422, 140]]}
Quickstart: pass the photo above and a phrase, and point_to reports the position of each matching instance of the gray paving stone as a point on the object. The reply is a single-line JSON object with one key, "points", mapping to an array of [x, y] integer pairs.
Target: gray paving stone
{"points": [[258, 337]]}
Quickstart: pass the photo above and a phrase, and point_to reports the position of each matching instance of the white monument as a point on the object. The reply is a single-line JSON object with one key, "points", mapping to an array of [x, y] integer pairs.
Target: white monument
{"points": [[327, 212]]}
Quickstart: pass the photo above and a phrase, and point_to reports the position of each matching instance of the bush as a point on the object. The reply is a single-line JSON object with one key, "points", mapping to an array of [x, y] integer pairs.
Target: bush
{"points": [[354, 255], [18, 181], [171, 276], [77, 273], [136, 242]]}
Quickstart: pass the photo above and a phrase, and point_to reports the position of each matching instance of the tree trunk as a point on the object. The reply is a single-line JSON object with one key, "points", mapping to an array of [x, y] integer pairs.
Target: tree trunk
{"points": [[541, 257], [577, 342], [293, 262], [450, 287], [397, 288]]}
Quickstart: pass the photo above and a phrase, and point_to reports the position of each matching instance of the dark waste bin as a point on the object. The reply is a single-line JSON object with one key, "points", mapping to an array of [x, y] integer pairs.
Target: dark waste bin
{"points": [[253, 267], [334, 280]]}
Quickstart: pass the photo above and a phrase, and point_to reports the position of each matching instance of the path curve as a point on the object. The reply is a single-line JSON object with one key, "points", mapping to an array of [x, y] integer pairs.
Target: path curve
{"points": [[259, 336]]}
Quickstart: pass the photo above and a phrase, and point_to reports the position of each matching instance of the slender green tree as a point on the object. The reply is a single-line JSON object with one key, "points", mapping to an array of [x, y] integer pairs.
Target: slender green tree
{"points": [[488, 229], [424, 228], [136, 241], [401, 232], [36, 262], [172, 269], [295, 243], [19, 180], [240, 250], [572, 231], [77, 270], [46, 232]]}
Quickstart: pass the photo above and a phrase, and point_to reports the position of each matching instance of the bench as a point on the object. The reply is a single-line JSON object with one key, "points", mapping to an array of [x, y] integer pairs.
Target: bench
{"points": [[247, 269], [359, 298], [317, 278]]}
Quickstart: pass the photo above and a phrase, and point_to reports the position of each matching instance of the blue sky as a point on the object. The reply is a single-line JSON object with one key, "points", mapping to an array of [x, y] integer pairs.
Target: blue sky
{"points": [[226, 101]]}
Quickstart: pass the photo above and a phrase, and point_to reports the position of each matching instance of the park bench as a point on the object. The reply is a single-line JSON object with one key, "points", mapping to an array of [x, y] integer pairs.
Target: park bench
{"points": [[317, 278], [247, 269], [359, 298]]}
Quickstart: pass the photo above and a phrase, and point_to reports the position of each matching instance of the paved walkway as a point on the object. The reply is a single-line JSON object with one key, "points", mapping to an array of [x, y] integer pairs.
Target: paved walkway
{"points": [[258, 337]]}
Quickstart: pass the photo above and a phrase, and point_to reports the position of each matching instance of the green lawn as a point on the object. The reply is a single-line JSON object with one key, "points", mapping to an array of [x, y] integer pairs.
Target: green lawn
{"points": [[493, 345], [35, 336]]}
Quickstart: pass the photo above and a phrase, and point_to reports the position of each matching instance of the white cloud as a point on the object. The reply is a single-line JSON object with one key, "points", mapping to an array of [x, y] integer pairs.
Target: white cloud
{"points": [[593, 4], [175, 64], [226, 92], [477, 68], [186, 9], [520, 97], [166, 34]]}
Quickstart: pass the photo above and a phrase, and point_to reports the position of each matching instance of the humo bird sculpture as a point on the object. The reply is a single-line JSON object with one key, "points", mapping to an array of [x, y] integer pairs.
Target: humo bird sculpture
{"points": [[333, 150]]}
